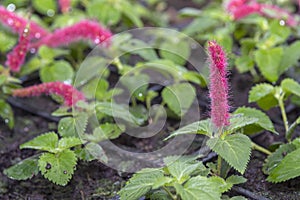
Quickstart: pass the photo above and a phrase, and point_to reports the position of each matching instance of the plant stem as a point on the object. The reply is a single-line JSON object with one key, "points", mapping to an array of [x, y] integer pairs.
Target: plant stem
{"points": [[283, 113], [169, 193], [219, 165], [260, 148]]}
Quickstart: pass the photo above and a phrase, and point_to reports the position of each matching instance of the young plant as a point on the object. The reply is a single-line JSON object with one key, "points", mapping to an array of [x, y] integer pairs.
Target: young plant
{"points": [[223, 130], [280, 166]]}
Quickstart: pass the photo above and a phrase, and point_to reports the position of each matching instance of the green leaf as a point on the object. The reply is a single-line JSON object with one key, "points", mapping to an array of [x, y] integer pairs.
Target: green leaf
{"points": [[96, 151], [189, 12], [105, 132], [73, 126], [179, 97], [239, 121], [176, 50], [201, 127], [45, 7], [45, 142], [287, 169], [194, 77], [199, 188], [235, 149], [59, 167], [263, 123], [140, 184], [23, 170], [268, 62], [117, 111], [244, 64], [290, 57], [7, 114], [136, 84], [59, 71], [7, 42], [290, 85], [200, 25], [159, 195], [129, 11], [68, 142], [275, 158], [104, 12], [235, 179], [260, 91]]}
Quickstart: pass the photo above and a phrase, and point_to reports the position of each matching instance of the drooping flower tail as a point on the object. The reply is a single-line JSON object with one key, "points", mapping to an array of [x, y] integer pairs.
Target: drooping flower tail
{"points": [[218, 85], [70, 94], [64, 5], [17, 24], [82, 30], [16, 58]]}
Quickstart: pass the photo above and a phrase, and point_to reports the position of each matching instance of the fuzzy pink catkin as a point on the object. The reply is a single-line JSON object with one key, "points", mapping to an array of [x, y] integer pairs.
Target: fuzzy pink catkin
{"points": [[70, 94], [16, 58], [218, 85], [17, 24], [64, 5], [82, 30]]}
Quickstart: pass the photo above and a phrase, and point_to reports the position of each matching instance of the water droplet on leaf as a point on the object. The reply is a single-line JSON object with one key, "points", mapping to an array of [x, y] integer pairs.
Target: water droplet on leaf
{"points": [[11, 7]]}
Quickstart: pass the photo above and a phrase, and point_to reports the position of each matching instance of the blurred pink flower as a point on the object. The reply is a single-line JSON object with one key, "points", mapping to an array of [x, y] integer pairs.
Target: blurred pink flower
{"points": [[218, 85], [70, 94], [17, 24], [64, 5], [16, 58], [82, 30]]}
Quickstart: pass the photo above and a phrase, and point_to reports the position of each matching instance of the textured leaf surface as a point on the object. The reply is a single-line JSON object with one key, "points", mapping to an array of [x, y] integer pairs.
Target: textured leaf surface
{"points": [[240, 121], [199, 188], [140, 184], [287, 169], [179, 97], [7, 114], [68, 142], [263, 120], [235, 149], [58, 168], [275, 158], [96, 151], [23, 170], [200, 127], [73, 126], [290, 85], [259, 91], [46, 142], [290, 57], [268, 62], [182, 170]]}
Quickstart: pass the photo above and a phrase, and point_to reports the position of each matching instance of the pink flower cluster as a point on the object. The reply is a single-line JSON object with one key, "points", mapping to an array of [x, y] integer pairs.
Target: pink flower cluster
{"points": [[242, 8], [82, 30], [64, 5], [17, 24], [70, 94], [218, 85], [16, 57]]}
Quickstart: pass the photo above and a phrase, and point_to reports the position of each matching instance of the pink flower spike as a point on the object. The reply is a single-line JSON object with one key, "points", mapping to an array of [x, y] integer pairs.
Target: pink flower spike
{"points": [[70, 94], [82, 30], [17, 24], [64, 5], [16, 57], [218, 85], [245, 10], [234, 4]]}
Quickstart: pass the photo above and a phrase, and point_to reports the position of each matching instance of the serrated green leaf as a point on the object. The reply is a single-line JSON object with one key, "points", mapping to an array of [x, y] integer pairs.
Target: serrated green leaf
{"points": [[290, 57], [140, 184], [7, 114], [178, 51], [182, 170], [179, 97], [287, 169], [235, 179], [201, 127], [117, 111], [161, 182], [268, 62], [259, 91], [263, 122], [96, 151], [239, 121], [244, 63], [235, 149], [160, 195], [45, 142], [23, 170], [58, 71], [58, 168], [105, 132], [68, 142], [73, 126], [290, 85], [199, 188], [275, 158]]}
